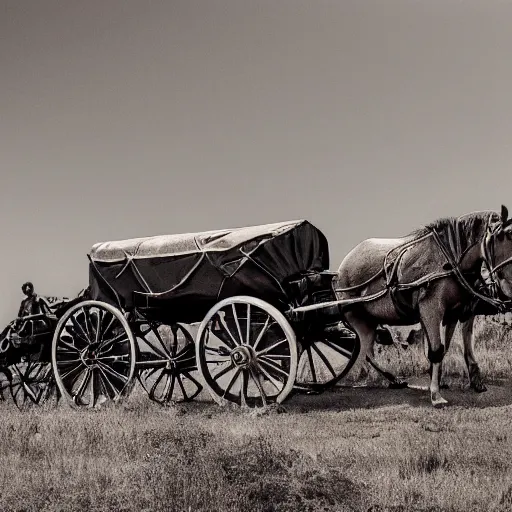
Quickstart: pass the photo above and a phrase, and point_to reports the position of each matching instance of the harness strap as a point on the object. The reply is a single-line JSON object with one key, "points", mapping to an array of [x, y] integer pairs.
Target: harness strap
{"points": [[462, 280], [501, 265]]}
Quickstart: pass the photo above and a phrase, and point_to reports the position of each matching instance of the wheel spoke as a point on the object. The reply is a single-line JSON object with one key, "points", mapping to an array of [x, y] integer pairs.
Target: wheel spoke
{"points": [[277, 357], [262, 333], [157, 381], [99, 321], [167, 353], [337, 348], [226, 328], [218, 375], [73, 331], [195, 381], [232, 381], [181, 386], [169, 385], [67, 345], [311, 364], [243, 389], [72, 370], [88, 324], [23, 384], [112, 372], [275, 382], [256, 380], [105, 331], [123, 359], [93, 394], [156, 350], [83, 384], [68, 361], [324, 359], [273, 366], [223, 360], [237, 323], [105, 380], [248, 325], [272, 347], [106, 345]]}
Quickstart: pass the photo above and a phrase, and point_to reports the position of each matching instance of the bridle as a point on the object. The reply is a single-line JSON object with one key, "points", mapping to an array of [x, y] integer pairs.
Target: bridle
{"points": [[489, 258]]}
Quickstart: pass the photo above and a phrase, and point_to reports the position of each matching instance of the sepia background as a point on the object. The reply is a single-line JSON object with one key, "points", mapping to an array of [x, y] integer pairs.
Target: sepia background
{"points": [[125, 118]]}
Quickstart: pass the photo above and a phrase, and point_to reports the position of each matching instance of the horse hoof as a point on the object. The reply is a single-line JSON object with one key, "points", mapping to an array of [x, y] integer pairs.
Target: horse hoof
{"points": [[439, 402]]}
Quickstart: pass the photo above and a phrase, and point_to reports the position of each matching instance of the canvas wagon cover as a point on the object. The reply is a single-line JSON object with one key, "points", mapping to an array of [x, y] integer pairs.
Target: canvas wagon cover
{"points": [[186, 274]]}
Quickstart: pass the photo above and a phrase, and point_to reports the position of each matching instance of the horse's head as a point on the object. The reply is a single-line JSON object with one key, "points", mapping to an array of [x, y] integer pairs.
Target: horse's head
{"points": [[497, 251]]}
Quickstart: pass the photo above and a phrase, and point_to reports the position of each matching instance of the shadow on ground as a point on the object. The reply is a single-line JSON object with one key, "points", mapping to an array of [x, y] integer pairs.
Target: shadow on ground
{"points": [[344, 398]]}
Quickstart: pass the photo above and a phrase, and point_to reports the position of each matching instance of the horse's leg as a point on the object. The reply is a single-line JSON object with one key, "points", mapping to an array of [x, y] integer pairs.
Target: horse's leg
{"points": [[385, 337], [366, 333], [475, 378], [449, 330], [395, 382], [431, 319]]}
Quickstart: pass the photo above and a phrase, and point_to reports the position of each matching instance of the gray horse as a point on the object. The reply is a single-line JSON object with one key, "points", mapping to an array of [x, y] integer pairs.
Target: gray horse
{"points": [[432, 277]]}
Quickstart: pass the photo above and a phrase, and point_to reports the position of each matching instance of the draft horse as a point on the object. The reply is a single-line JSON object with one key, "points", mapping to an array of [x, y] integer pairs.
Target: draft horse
{"points": [[432, 277]]}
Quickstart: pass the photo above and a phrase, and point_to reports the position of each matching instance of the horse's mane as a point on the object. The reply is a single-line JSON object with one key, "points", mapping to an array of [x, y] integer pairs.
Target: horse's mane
{"points": [[467, 229]]}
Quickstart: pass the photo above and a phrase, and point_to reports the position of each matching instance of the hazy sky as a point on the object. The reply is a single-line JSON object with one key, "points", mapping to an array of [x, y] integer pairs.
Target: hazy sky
{"points": [[130, 118]]}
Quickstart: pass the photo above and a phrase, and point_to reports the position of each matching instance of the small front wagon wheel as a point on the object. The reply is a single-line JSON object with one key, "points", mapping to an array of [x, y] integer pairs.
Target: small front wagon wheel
{"points": [[93, 354], [30, 383], [246, 353]]}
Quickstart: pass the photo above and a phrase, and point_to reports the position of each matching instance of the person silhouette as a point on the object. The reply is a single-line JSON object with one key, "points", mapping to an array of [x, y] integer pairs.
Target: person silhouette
{"points": [[32, 304], [28, 305]]}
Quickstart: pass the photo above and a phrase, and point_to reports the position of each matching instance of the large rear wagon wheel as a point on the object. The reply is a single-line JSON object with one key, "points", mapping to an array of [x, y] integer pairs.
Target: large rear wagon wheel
{"points": [[246, 353], [93, 354], [326, 360]]}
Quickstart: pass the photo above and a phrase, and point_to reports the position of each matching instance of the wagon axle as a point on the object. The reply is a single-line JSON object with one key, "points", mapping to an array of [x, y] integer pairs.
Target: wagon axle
{"points": [[243, 356]]}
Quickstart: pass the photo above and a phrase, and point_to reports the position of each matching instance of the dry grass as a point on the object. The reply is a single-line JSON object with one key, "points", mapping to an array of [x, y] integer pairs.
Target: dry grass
{"points": [[378, 450]]}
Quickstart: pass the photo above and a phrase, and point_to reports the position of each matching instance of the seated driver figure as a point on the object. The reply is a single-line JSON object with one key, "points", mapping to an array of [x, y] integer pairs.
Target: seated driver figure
{"points": [[29, 305], [32, 305]]}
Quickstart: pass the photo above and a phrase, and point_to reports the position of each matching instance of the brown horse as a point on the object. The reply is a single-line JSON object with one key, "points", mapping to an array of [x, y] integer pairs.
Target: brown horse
{"points": [[432, 277]]}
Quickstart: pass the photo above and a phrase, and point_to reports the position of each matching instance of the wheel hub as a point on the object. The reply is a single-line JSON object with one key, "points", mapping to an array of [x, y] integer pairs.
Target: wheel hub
{"points": [[88, 357], [242, 356]]}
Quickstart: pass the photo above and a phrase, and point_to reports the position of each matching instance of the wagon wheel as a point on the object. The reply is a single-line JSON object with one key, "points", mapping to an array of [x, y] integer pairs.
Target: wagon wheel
{"points": [[93, 354], [30, 382], [246, 353], [170, 374], [325, 361], [5, 385]]}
